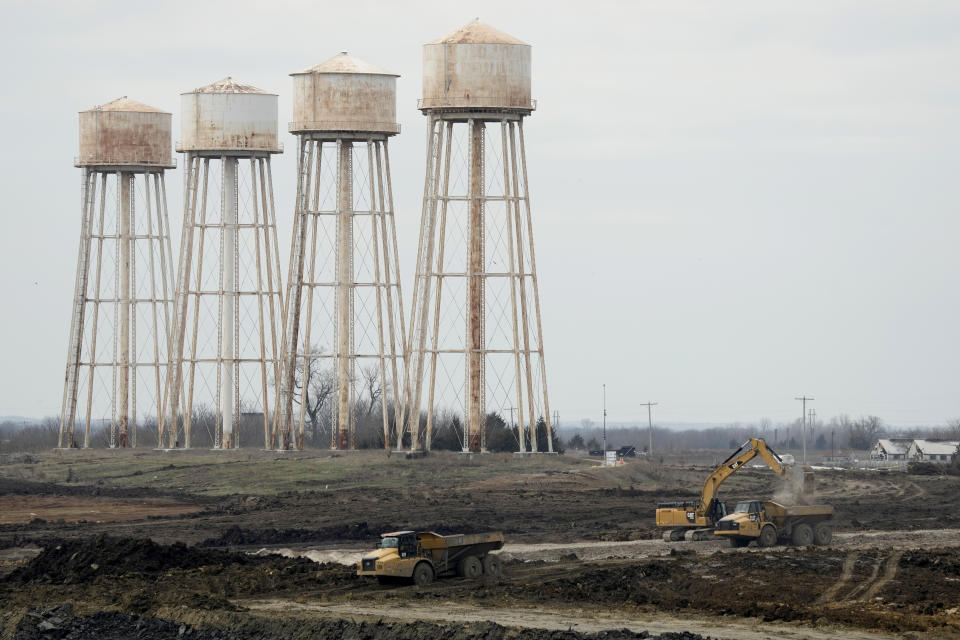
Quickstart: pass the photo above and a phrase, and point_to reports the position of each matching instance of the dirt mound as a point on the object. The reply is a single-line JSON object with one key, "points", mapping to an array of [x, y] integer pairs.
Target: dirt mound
{"points": [[76, 561], [60, 623], [238, 536], [637, 584]]}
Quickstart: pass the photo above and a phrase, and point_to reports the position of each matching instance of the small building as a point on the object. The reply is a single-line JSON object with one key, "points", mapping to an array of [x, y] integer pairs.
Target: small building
{"points": [[939, 451], [891, 449]]}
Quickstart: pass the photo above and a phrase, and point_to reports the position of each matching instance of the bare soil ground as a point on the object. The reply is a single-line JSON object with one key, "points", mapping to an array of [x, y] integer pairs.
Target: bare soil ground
{"points": [[583, 552]]}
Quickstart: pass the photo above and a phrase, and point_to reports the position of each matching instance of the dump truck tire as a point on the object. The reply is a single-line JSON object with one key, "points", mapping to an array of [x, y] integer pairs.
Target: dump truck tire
{"points": [[470, 567], [822, 534], [422, 574], [736, 543], [768, 536], [491, 565], [802, 535]]}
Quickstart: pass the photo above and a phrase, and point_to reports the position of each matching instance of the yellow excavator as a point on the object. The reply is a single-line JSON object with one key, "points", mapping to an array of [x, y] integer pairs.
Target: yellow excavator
{"points": [[695, 520]]}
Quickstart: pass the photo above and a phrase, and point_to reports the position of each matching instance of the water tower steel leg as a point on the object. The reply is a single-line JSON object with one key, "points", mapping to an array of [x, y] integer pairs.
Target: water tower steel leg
{"points": [[382, 245], [511, 204], [123, 391], [309, 357], [260, 234], [387, 221], [67, 435], [441, 235], [422, 286], [228, 288], [154, 246], [294, 290], [175, 372], [344, 292], [435, 243], [536, 290], [476, 286], [524, 320], [276, 295], [198, 287], [168, 289], [132, 380], [97, 299], [380, 285]]}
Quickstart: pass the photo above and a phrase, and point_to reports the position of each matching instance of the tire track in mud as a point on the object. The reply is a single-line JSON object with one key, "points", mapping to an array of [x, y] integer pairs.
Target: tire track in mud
{"points": [[848, 564], [893, 563], [867, 589]]}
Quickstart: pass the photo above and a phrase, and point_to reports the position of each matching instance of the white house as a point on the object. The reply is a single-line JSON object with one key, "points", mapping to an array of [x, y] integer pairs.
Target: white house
{"points": [[891, 449], [940, 451]]}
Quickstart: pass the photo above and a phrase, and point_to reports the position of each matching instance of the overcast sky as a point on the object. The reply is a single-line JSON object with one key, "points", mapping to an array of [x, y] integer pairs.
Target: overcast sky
{"points": [[735, 203]]}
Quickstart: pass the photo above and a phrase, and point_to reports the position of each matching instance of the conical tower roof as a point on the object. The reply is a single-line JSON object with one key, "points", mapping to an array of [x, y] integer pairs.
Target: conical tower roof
{"points": [[229, 85], [343, 62], [477, 32], [124, 103]]}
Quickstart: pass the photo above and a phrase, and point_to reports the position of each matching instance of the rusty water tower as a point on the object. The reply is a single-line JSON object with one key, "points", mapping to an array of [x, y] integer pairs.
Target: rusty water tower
{"points": [[226, 336], [344, 328], [476, 344], [117, 355]]}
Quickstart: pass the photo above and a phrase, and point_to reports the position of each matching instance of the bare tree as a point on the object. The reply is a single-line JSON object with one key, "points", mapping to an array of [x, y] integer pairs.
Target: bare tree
{"points": [[863, 432], [320, 383], [371, 387]]}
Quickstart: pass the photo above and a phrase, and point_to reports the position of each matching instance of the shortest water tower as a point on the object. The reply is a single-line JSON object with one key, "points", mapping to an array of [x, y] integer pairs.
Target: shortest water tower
{"points": [[476, 347], [344, 324], [117, 354], [227, 321]]}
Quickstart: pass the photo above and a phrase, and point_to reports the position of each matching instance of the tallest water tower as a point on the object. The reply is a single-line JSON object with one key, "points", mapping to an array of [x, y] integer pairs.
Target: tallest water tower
{"points": [[476, 343]]}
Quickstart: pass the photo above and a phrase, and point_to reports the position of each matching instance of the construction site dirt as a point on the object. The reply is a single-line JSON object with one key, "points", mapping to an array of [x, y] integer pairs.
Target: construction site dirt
{"points": [[261, 545]]}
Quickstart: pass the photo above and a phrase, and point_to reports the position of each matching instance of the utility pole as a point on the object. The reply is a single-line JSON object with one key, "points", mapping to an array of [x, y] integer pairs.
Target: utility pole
{"points": [[649, 428], [604, 423], [803, 415]]}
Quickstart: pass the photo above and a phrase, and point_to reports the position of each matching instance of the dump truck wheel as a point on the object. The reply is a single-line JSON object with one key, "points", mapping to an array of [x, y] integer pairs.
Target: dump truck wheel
{"points": [[491, 565], [822, 534], [739, 542], [470, 567], [422, 574], [768, 536], [802, 535]]}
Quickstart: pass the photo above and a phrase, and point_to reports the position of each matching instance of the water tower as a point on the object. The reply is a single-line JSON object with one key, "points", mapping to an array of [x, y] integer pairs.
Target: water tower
{"points": [[476, 345], [226, 336], [117, 354], [344, 326]]}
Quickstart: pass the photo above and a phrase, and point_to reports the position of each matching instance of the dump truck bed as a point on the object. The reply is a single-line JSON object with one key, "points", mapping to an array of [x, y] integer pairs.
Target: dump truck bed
{"points": [[800, 510], [431, 540]]}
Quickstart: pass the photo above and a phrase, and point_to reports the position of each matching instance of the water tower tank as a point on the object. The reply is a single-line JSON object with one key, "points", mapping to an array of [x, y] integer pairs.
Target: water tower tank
{"points": [[228, 116], [476, 66], [344, 94], [125, 132]]}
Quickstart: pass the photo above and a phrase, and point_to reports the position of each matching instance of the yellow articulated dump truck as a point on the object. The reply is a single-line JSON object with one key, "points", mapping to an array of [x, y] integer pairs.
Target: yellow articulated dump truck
{"points": [[422, 556], [772, 522]]}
